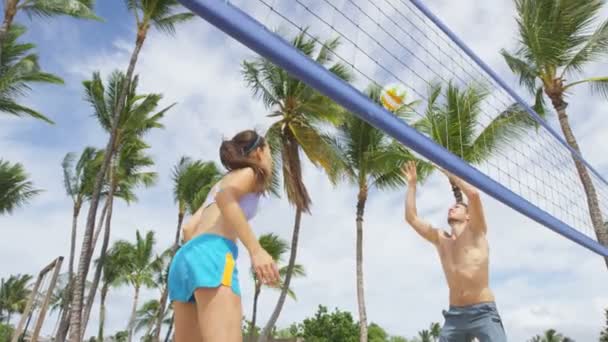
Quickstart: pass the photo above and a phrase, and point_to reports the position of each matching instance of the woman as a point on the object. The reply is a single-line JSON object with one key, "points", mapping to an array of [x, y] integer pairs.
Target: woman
{"points": [[203, 279]]}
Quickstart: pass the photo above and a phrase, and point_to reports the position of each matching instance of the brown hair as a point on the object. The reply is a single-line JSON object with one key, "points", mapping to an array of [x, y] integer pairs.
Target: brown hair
{"points": [[234, 153]]}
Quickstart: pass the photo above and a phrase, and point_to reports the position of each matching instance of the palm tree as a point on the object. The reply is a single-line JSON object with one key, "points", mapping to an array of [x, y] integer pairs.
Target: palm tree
{"points": [[276, 247], [557, 40], [300, 111], [139, 270], [19, 69], [161, 15], [370, 159], [138, 117], [127, 173], [435, 331], [425, 336], [454, 123], [60, 296], [114, 268], [14, 294], [551, 336], [121, 336], [604, 333], [15, 189], [45, 8], [78, 182], [192, 181], [146, 318]]}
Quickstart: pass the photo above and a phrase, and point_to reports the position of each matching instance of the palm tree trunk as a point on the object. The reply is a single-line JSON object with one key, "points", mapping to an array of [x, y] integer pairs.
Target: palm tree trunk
{"points": [[10, 10], [84, 262], [165, 293], [180, 219], [100, 225], [133, 314], [254, 314], [76, 211], [292, 261], [104, 248], [170, 328], [457, 192], [62, 330], [102, 310], [362, 198], [592, 200], [64, 326], [76, 308]]}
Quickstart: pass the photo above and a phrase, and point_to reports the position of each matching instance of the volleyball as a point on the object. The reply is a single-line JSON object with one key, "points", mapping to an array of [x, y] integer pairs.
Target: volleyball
{"points": [[393, 96]]}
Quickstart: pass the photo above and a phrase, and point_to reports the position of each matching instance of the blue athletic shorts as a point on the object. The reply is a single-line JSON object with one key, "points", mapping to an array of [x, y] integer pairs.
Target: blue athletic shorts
{"points": [[481, 321], [208, 261]]}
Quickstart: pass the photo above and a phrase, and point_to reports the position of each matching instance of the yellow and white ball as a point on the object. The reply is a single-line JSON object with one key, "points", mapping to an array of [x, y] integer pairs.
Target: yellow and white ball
{"points": [[393, 96]]}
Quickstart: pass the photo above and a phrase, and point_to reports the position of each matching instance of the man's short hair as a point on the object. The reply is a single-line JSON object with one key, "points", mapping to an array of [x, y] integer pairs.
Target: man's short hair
{"points": [[466, 206]]}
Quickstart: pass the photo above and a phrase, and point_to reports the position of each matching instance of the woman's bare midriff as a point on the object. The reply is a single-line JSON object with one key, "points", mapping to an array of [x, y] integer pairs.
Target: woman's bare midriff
{"points": [[210, 222]]}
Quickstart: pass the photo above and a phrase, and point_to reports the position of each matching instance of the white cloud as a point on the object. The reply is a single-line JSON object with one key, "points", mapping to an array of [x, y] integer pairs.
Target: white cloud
{"points": [[540, 279]]}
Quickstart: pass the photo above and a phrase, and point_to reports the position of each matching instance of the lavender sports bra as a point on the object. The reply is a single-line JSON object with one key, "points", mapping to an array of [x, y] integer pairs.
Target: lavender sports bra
{"points": [[248, 202]]}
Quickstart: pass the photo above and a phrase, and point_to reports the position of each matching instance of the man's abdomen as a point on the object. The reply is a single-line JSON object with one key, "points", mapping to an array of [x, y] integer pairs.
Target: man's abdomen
{"points": [[469, 285]]}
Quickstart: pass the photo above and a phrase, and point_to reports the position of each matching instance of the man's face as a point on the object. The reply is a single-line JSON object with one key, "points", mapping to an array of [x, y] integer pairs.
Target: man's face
{"points": [[458, 212]]}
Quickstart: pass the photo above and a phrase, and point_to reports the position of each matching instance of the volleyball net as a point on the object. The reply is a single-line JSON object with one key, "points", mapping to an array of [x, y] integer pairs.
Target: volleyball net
{"points": [[464, 117]]}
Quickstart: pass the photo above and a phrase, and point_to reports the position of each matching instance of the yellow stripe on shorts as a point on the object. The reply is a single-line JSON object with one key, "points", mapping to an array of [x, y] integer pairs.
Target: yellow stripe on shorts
{"points": [[228, 270]]}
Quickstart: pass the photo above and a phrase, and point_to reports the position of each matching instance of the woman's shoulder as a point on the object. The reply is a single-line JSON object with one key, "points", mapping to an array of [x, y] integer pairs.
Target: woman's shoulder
{"points": [[244, 179]]}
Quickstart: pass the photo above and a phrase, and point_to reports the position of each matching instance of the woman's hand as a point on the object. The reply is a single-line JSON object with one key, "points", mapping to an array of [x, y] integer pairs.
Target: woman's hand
{"points": [[264, 266]]}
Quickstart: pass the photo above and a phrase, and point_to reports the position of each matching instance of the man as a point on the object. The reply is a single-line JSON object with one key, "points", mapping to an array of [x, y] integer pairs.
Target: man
{"points": [[464, 258]]}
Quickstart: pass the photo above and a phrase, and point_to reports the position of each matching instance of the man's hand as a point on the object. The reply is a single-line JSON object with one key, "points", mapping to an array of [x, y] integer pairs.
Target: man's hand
{"points": [[411, 216], [409, 171], [447, 174]]}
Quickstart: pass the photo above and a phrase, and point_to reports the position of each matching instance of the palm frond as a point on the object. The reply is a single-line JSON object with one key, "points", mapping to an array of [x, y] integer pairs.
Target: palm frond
{"points": [[18, 70], [258, 87], [527, 73], [95, 95], [318, 148], [327, 50], [599, 85], [342, 71], [193, 183], [502, 131], [552, 32], [596, 45], [386, 173], [273, 139], [13, 108], [82, 9], [274, 245], [319, 110], [133, 4], [167, 24], [69, 178], [539, 103], [15, 188]]}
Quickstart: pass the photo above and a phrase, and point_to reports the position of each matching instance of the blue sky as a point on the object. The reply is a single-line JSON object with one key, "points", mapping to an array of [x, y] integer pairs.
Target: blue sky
{"points": [[541, 280]]}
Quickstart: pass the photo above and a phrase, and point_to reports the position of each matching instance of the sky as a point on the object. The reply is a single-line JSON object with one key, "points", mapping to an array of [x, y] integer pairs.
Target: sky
{"points": [[540, 279]]}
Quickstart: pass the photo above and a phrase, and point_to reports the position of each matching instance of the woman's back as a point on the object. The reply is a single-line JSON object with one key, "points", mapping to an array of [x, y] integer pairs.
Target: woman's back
{"points": [[208, 218]]}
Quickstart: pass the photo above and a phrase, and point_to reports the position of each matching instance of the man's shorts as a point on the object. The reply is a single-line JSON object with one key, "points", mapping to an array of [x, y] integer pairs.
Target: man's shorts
{"points": [[464, 323]]}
